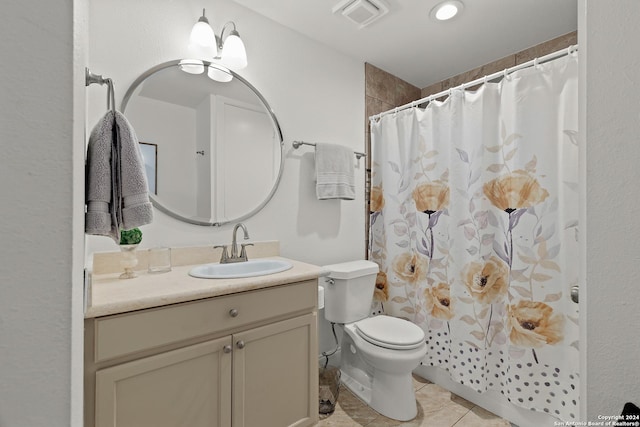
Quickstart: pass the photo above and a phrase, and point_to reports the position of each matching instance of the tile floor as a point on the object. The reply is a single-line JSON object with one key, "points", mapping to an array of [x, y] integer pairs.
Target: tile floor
{"points": [[437, 407]]}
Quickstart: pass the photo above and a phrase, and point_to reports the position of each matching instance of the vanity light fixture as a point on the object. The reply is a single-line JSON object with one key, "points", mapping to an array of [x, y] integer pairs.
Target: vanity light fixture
{"points": [[229, 50], [446, 10], [216, 53]]}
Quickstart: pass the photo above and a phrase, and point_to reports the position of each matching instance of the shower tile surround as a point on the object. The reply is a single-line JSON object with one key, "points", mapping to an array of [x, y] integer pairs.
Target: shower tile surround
{"points": [[384, 91]]}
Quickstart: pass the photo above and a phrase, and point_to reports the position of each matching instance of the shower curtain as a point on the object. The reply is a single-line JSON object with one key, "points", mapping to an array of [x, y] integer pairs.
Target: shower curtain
{"points": [[474, 208]]}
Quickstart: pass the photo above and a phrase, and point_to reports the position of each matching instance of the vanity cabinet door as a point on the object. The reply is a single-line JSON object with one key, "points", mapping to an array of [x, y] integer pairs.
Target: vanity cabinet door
{"points": [[185, 387], [275, 374]]}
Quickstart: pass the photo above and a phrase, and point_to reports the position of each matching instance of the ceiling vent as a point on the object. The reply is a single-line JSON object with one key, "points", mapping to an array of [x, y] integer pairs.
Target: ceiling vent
{"points": [[362, 12]]}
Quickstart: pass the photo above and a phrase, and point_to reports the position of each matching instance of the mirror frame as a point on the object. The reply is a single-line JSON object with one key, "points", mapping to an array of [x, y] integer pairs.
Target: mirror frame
{"points": [[276, 125]]}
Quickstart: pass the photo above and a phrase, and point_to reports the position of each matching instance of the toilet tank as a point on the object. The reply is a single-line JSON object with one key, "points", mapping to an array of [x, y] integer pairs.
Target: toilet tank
{"points": [[349, 297]]}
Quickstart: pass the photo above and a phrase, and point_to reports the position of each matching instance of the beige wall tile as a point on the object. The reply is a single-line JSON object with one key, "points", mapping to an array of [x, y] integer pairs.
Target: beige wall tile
{"points": [[430, 90], [373, 106], [405, 92], [379, 84], [548, 47], [476, 73], [500, 64], [388, 88]]}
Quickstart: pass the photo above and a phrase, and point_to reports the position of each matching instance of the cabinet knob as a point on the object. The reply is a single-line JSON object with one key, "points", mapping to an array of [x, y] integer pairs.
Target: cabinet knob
{"points": [[240, 344], [226, 349], [233, 312]]}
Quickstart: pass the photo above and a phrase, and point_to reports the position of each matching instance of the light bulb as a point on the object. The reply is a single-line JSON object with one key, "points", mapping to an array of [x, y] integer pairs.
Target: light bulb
{"points": [[234, 54], [192, 66], [202, 34], [219, 74], [447, 10]]}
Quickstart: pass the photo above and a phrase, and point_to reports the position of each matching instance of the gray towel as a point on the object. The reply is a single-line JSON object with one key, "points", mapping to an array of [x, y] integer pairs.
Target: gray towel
{"points": [[334, 172], [117, 194]]}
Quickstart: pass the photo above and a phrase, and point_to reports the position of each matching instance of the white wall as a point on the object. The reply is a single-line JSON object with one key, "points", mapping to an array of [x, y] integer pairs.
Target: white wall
{"points": [[610, 120], [41, 176], [316, 93]]}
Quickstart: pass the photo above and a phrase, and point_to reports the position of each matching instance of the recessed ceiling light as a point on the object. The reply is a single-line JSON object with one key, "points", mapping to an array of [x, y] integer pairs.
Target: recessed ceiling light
{"points": [[446, 10]]}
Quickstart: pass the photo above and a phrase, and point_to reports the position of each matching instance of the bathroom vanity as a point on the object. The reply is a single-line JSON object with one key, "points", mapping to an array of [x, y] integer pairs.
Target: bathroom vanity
{"points": [[173, 350]]}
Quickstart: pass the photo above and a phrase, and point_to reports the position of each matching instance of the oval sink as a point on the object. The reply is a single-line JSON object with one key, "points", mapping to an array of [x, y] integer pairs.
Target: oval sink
{"points": [[251, 268]]}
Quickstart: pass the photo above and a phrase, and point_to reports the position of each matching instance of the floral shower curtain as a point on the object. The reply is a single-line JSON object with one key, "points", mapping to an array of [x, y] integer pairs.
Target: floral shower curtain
{"points": [[474, 207]]}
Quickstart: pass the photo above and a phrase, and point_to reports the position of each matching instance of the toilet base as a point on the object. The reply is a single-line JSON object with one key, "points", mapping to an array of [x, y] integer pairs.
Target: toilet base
{"points": [[390, 395]]}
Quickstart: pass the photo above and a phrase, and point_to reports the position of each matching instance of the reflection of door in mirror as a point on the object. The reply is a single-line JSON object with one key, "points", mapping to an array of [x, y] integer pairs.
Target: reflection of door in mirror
{"points": [[234, 170], [244, 170], [149, 153]]}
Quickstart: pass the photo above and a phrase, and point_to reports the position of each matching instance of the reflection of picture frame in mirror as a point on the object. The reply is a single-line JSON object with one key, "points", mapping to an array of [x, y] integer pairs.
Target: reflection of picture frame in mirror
{"points": [[150, 156]]}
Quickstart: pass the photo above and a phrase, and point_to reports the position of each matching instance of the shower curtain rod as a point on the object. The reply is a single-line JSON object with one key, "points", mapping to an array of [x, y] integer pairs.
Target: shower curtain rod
{"points": [[504, 73]]}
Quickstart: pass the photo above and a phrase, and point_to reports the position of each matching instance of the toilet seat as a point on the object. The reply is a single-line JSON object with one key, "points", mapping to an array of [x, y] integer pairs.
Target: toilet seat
{"points": [[390, 332]]}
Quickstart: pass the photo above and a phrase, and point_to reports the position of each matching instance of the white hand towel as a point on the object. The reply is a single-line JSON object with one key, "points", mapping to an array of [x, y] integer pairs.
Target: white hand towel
{"points": [[334, 172]]}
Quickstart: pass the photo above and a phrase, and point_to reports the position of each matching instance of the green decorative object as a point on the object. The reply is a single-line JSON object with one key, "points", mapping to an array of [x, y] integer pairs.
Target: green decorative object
{"points": [[130, 237]]}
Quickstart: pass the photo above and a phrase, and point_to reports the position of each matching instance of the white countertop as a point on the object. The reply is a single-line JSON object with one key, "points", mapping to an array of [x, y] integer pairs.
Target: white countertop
{"points": [[111, 295]]}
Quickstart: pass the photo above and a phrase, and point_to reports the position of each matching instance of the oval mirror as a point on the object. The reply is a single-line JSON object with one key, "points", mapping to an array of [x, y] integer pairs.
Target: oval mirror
{"points": [[211, 144]]}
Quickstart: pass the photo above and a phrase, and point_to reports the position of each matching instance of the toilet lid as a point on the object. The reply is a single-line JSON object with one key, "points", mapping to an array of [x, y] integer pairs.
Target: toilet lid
{"points": [[390, 332]]}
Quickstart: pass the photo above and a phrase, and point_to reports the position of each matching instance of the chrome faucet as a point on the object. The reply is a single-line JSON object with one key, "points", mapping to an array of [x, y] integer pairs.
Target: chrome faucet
{"points": [[234, 257]]}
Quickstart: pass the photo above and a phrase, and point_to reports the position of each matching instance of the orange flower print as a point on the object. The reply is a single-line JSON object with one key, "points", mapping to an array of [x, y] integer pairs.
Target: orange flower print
{"points": [[534, 324], [410, 267], [381, 292], [438, 301], [486, 282], [431, 197], [376, 200], [516, 190]]}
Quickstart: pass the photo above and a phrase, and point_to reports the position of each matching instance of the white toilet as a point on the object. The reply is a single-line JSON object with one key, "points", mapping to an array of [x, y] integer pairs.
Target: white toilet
{"points": [[377, 353]]}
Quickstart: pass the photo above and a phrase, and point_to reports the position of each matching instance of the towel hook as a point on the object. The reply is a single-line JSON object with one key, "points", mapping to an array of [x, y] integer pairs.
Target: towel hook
{"points": [[111, 96], [91, 78]]}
